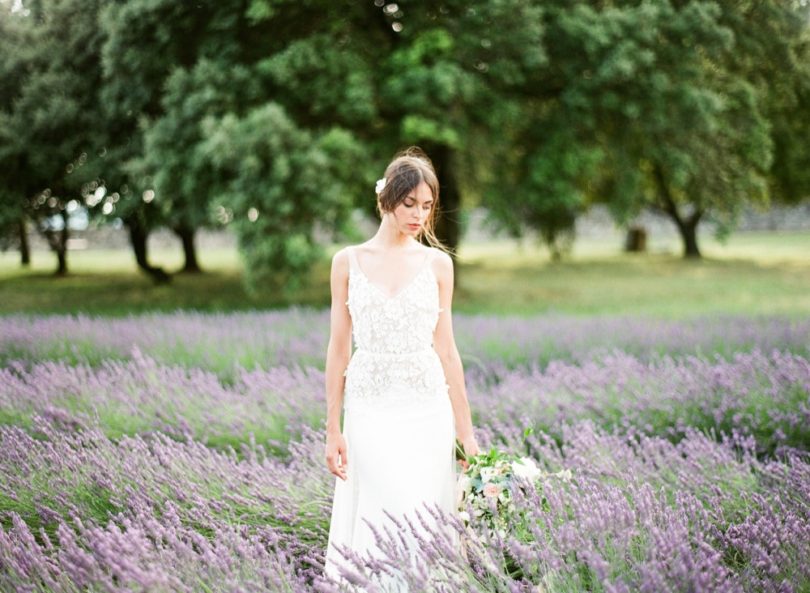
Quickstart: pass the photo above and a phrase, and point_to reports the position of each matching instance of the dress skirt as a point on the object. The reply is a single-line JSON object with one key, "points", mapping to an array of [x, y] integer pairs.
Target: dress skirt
{"points": [[400, 457]]}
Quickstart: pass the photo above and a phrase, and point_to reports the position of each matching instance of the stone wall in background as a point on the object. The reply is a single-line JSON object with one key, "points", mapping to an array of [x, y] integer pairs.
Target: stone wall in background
{"points": [[596, 223]]}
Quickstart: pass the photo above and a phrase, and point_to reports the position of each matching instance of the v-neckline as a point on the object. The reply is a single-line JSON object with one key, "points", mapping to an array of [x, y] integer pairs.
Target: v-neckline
{"points": [[385, 295]]}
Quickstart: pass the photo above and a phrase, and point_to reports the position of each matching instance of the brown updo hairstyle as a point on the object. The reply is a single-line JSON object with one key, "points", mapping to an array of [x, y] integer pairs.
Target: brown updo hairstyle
{"points": [[408, 169]]}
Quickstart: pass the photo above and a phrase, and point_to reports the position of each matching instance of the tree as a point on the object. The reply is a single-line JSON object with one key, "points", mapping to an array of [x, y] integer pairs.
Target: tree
{"points": [[658, 104], [546, 178], [443, 87], [278, 180], [184, 180], [145, 42], [772, 50], [14, 34], [671, 93], [399, 75], [48, 132]]}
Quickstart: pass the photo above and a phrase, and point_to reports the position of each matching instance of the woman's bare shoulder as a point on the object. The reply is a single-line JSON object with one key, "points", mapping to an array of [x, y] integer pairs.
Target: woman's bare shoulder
{"points": [[441, 255], [442, 265], [340, 259]]}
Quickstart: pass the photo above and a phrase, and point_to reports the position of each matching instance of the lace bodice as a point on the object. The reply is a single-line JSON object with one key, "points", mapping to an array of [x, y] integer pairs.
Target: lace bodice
{"points": [[394, 340]]}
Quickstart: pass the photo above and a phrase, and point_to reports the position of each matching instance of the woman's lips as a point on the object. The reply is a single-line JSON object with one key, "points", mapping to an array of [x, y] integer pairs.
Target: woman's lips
{"points": [[414, 226]]}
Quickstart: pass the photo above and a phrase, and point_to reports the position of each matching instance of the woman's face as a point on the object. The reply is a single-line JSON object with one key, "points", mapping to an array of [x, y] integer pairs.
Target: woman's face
{"points": [[411, 213]]}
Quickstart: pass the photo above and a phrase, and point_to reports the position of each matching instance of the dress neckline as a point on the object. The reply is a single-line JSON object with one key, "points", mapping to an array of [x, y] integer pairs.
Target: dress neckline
{"points": [[385, 295]]}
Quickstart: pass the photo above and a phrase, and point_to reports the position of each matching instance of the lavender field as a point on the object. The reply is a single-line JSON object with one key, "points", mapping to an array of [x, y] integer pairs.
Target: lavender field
{"points": [[183, 452]]}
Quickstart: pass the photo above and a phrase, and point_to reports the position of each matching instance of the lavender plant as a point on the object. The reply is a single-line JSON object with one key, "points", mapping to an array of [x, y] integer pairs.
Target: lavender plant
{"points": [[225, 343], [639, 512], [184, 453], [763, 395]]}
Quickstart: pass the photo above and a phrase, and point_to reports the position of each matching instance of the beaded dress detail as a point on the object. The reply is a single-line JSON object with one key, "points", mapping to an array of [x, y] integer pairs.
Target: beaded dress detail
{"points": [[394, 339]]}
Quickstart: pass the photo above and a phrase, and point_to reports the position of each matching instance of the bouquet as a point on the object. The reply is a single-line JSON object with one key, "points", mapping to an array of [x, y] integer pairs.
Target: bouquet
{"points": [[487, 484], [485, 489]]}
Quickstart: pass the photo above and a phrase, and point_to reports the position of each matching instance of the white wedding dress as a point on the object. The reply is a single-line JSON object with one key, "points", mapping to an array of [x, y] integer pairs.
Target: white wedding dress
{"points": [[398, 420]]}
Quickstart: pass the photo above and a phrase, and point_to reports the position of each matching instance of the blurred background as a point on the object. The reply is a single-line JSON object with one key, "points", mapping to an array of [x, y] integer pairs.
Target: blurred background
{"points": [[594, 157]]}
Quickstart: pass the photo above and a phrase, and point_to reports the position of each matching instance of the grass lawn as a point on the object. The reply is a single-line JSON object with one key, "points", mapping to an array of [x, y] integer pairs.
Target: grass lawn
{"points": [[753, 273]]}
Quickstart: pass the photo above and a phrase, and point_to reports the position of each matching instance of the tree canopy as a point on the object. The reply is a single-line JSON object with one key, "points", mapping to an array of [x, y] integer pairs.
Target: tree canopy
{"points": [[276, 117]]}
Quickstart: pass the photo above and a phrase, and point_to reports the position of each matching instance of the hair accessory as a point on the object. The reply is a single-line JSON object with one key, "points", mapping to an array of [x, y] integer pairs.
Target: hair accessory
{"points": [[380, 185]]}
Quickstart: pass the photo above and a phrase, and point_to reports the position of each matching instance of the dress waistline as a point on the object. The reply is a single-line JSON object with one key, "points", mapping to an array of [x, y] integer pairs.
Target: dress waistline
{"points": [[382, 353]]}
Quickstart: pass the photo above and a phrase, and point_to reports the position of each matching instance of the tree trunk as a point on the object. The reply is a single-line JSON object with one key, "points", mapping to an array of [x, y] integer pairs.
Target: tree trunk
{"points": [[61, 256], [137, 238], [25, 248], [447, 228], [689, 236], [687, 227], [57, 241], [186, 235], [636, 239]]}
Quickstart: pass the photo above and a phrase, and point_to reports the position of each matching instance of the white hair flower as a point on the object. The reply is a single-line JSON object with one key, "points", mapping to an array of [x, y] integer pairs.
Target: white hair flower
{"points": [[380, 185]]}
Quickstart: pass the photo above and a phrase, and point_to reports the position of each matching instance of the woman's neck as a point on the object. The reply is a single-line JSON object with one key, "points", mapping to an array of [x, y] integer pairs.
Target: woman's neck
{"points": [[389, 237]]}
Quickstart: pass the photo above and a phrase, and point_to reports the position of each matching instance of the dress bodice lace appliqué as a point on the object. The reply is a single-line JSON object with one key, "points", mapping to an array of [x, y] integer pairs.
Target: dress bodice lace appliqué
{"points": [[394, 340]]}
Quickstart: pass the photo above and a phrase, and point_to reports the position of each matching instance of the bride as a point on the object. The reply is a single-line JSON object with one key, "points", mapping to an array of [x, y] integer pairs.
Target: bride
{"points": [[402, 391]]}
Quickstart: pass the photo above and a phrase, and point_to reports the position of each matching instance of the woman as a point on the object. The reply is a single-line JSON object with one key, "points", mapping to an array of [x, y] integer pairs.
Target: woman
{"points": [[403, 389]]}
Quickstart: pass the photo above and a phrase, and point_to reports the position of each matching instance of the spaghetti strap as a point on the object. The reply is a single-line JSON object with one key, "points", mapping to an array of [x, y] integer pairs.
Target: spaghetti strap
{"points": [[352, 266], [429, 263]]}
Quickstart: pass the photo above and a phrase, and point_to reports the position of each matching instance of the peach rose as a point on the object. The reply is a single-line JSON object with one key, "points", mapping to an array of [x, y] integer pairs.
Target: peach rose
{"points": [[491, 490]]}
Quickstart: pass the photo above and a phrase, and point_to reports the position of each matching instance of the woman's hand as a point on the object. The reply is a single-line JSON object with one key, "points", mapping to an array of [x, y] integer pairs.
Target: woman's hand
{"points": [[470, 448], [336, 450]]}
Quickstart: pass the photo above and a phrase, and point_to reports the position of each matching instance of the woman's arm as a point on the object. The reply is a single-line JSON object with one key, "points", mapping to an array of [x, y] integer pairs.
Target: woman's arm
{"points": [[338, 354], [445, 345]]}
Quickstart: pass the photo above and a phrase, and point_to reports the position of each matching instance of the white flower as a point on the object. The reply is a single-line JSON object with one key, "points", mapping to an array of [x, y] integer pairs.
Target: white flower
{"points": [[380, 185], [487, 473], [525, 468], [464, 516]]}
